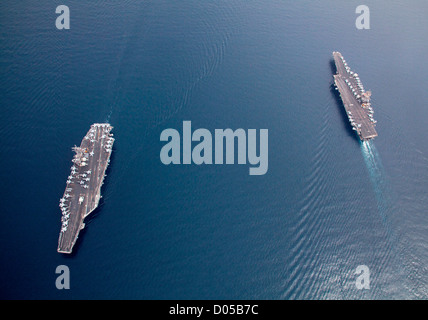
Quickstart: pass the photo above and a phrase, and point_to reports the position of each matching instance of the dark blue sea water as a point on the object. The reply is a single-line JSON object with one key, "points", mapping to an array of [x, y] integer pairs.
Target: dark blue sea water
{"points": [[327, 204]]}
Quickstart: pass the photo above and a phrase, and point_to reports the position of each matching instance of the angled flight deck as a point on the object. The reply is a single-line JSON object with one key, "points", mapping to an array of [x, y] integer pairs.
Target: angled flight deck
{"points": [[83, 190], [355, 99]]}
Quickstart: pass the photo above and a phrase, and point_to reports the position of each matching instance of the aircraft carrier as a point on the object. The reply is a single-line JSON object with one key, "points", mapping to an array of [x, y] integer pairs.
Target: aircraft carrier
{"points": [[355, 99], [83, 191]]}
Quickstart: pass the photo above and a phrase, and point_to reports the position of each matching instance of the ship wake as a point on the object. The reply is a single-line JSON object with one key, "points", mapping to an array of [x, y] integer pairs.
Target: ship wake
{"points": [[379, 183]]}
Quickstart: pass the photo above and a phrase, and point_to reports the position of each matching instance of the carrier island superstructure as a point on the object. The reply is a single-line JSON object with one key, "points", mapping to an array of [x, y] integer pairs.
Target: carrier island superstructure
{"points": [[83, 191], [355, 99]]}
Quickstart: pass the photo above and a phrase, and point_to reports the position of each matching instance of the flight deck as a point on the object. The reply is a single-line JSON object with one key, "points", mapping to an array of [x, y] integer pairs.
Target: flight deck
{"points": [[356, 100], [83, 190]]}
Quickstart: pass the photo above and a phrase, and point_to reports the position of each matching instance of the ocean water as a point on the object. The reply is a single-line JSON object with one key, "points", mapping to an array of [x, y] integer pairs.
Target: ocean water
{"points": [[327, 204]]}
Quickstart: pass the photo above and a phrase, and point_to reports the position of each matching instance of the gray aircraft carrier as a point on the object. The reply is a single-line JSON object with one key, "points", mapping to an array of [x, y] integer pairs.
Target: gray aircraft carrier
{"points": [[355, 99], [83, 191]]}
